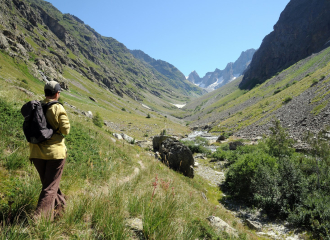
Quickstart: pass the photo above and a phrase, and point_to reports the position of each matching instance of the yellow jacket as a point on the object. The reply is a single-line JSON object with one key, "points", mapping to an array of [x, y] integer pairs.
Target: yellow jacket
{"points": [[53, 148]]}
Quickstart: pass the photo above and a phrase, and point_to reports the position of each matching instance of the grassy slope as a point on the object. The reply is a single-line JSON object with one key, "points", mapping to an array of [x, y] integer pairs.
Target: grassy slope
{"points": [[237, 108], [100, 178]]}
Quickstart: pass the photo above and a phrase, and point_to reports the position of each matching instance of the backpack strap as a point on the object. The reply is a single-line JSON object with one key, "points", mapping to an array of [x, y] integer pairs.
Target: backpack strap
{"points": [[45, 108]]}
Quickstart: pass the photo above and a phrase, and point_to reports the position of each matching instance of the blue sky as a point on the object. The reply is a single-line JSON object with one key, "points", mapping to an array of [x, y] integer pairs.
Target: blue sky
{"points": [[190, 34]]}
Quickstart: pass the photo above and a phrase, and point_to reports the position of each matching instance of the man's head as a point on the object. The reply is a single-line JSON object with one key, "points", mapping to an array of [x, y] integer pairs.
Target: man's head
{"points": [[52, 88]]}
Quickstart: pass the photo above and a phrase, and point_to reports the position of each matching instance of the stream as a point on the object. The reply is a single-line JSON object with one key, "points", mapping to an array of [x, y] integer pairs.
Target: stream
{"points": [[215, 175]]}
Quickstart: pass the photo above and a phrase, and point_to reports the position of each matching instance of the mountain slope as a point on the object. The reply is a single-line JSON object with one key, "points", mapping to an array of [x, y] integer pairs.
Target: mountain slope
{"points": [[302, 29], [49, 42], [174, 76], [298, 96]]}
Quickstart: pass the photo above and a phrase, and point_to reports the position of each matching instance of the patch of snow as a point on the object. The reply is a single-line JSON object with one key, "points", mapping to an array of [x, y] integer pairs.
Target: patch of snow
{"points": [[146, 106], [214, 85], [179, 105], [235, 76]]}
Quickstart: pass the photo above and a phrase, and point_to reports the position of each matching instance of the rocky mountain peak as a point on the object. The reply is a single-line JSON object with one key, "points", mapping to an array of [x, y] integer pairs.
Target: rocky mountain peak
{"points": [[194, 77]]}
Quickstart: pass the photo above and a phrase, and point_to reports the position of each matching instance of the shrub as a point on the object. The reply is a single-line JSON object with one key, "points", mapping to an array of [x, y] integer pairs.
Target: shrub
{"points": [[123, 109], [322, 77], [24, 81], [219, 155], [97, 120], [243, 173], [287, 99], [163, 132], [279, 144], [315, 81], [148, 115], [277, 91]]}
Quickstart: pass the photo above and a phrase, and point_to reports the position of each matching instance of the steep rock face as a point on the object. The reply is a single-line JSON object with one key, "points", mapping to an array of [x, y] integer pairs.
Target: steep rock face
{"points": [[302, 29], [194, 77]]}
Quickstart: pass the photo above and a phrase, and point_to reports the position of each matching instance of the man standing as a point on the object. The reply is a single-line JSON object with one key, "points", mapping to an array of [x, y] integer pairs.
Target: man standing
{"points": [[49, 156]]}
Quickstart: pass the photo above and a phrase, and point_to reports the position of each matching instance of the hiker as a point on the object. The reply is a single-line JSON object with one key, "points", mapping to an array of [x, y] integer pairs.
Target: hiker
{"points": [[49, 156]]}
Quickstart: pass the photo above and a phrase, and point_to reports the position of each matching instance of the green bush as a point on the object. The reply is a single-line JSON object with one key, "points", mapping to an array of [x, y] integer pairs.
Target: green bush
{"points": [[287, 99], [148, 115], [277, 91], [97, 120], [287, 185], [243, 174]]}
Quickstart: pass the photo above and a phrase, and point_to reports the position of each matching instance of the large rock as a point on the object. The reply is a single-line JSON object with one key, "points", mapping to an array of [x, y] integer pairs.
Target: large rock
{"points": [[177, 156], [221, 225], [157, 141], [235, 145], [127, 138]]}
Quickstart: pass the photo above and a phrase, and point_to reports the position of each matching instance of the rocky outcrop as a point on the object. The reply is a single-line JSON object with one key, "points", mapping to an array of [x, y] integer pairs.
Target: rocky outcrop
{"points": [[177, 157], [302, 29]]}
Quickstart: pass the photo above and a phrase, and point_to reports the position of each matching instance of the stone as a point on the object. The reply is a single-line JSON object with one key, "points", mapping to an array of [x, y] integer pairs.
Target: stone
{"points": [[221, 138], [221, 225], [93, 99], [136, 225], [144, 144], [127, 138], [113, 140], [3, 42], [234, 145], [157, 141], [177, 157], [88, 114], [118, 136], [253, 225]]}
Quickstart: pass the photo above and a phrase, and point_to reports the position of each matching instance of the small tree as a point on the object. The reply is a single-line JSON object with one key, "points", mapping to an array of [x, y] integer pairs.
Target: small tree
{"points": [[279, 144], [148, 115], [97, 120]]}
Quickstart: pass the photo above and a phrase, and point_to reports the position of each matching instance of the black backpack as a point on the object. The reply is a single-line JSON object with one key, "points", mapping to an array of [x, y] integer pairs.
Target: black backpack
{"points": [[35, 126]]}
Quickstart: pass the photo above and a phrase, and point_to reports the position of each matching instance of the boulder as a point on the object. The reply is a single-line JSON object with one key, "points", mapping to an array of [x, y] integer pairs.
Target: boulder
{"points": [[221, 138], [253, 225], [118, 136], [157, 141], [221, 226], [177, 157], [127, 138], [235, 145], [93, 99]]}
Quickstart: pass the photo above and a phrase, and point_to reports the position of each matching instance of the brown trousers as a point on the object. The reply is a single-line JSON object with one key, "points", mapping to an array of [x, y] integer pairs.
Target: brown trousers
{"points": [[51, 197]]}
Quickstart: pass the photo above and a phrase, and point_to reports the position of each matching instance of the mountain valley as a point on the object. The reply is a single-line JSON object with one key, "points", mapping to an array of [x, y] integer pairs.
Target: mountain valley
{"points": [[270, 97]]}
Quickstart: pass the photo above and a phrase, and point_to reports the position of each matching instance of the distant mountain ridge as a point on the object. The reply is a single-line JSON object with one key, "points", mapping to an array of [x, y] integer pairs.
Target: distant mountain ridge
{"points": [[302, 29], [174, 76], [219, 78]]}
